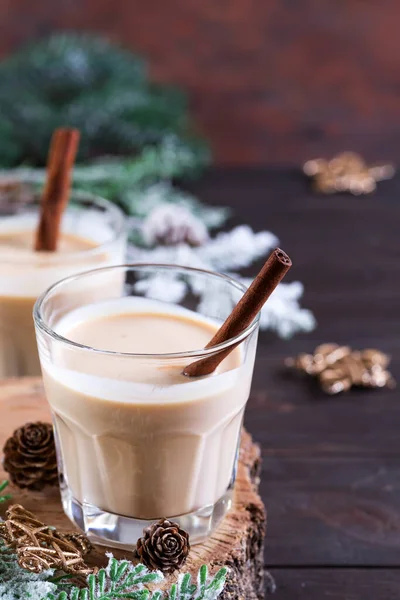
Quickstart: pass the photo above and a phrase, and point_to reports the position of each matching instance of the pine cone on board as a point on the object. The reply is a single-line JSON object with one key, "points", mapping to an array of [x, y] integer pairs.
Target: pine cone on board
{"points": [[30, 456], [164, 546]]}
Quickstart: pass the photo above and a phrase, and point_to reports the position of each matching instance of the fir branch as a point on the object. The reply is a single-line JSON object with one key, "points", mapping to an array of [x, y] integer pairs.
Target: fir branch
{"points": [[121, 580], [225, 253], [141, 201], [4, 497], [137, 184], [113, 177], [83, 81], [17, 583]]}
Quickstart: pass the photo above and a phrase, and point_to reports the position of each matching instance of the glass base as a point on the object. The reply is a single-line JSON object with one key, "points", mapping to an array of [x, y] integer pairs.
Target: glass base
{"points": [[118, 531]]}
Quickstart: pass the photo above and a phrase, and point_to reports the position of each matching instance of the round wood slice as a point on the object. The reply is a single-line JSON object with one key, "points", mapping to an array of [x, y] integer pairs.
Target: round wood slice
{"points": [[237, 543]]}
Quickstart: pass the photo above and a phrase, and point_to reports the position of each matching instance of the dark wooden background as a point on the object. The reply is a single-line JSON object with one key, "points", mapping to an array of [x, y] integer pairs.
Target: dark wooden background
{"points": [[277, 82], [331, 471], [271, 81]]}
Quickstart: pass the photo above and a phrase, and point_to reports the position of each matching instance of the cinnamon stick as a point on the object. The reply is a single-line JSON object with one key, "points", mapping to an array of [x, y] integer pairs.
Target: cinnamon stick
{"points": [[244, 312], [62, 153]]}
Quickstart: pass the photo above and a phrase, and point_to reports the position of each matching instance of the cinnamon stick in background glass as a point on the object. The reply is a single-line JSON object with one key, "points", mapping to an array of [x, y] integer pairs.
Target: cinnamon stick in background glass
{"points": [[44, 240], [63, 149]]}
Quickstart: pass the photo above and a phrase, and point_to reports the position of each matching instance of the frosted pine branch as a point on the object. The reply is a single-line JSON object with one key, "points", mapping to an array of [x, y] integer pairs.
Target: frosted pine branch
{"points": [[171, 224], [237, 249], [142, 200], [164, 287], [226, 252], [283, 313], [122, 579], [17, 583]]}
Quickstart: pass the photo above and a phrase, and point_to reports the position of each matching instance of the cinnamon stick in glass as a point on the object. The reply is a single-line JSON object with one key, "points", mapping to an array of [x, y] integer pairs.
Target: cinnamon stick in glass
{"points": [[62, 153], [244, 312]]}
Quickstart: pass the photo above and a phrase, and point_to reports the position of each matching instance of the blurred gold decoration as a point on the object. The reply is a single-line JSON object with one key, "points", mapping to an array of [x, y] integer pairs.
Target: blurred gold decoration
{"points": [[338, 368], [40, 547], [346, 172]]}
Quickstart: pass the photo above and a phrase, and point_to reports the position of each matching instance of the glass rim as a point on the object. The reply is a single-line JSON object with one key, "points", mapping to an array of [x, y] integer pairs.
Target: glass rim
{"points": [[53, 258], [198, 353]]}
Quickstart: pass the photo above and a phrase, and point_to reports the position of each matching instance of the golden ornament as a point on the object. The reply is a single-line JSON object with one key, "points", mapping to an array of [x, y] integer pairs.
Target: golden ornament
{"points": [[40, 547], [338, 368], [346, 172]]}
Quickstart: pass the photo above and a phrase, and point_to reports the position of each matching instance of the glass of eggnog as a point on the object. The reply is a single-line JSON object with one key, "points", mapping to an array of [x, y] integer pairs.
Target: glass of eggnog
{"points": [[92, 235], [136, 439]]}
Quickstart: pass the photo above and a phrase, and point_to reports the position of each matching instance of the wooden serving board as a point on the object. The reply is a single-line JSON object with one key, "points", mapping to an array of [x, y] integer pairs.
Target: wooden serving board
{"points": [[237, 543]]}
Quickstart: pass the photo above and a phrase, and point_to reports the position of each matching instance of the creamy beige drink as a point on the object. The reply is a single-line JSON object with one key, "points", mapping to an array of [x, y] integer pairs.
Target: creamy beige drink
{"points": [[18, 353], [86, 241], [138, 438]]}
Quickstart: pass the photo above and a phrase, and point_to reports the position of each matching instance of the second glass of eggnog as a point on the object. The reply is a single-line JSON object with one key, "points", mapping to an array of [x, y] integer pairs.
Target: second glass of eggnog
{"points": [[136, 439], [92, 235]]}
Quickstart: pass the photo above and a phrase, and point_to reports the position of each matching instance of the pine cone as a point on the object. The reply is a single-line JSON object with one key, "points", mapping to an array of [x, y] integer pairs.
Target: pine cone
{"points": [[30, 456], [164, 546], [173, 224], [14, 193]]}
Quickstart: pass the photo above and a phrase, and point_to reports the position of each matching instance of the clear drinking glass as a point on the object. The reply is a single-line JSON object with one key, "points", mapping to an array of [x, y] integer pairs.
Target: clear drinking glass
{"points": [[25, 274], [131, 450]]}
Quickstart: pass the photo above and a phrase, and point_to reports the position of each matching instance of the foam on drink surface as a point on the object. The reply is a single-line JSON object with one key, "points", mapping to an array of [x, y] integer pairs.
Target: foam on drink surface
{"points": [[26, 273], [145, 327]]}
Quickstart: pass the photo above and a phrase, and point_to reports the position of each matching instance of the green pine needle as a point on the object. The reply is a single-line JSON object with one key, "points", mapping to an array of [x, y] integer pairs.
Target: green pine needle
{"points": [[83, 81], [4, 497], [16, 583], [134, 134], [121, 580]]}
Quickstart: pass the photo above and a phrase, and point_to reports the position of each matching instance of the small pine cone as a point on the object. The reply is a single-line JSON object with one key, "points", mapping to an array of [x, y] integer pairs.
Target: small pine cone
{"points": [[171, 225], [164, 546], [14, 193], [30, 456]]}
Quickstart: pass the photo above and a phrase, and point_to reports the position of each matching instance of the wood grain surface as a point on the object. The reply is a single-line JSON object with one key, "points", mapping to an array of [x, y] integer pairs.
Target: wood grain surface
{"points": [[331, 465], [335, 584], [269, 81], [237, 543]]}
